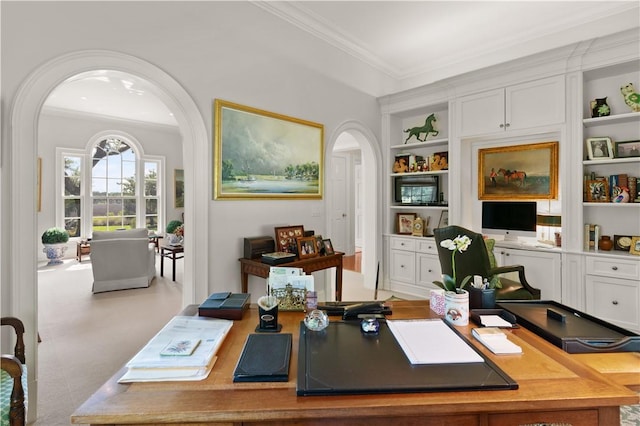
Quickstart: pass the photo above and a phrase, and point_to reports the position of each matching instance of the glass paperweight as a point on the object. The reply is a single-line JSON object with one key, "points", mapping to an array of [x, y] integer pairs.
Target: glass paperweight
{"points": [[316, 320], [370, 325]]}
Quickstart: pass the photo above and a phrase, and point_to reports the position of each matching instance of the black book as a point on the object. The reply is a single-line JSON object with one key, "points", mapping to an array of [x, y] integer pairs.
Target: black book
{"points": [[225, 305], [264, 358]]}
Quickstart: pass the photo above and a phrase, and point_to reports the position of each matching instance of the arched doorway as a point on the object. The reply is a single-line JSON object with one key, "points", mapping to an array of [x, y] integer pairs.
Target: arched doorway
{"points": [[371, 204], [21, 219]]}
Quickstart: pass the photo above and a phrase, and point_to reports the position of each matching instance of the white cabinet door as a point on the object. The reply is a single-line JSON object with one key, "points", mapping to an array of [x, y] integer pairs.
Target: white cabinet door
{"points": [[542, 269], [403, 266], [428, 270], [534, 104], [615, 300], [517, 107], [481, 113]]}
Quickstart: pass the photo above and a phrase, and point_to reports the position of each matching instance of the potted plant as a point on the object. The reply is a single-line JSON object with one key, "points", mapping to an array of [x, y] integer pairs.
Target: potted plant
{"points": [[54, 240], [172, 226]]}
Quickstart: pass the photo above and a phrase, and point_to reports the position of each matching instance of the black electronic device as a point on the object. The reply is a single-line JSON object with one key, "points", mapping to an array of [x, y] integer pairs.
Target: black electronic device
{"points": [[420, 190], [512, 219]]}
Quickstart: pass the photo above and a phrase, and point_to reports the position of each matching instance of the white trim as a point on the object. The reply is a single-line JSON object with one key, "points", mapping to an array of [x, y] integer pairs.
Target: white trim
{"points": [[20, 242]]}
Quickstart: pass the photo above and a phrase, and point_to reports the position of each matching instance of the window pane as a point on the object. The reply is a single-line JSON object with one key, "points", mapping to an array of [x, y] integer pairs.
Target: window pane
{"points": [[114, 223], [129, 170], [99, 187], [115, 187], [99, 223], [99, 167], [129, 222], [128, 155], [72, 173], [114, 165], [99, 207], [129, 186], [73, 227], [152, 223], [150, 188], [115, 207], [151, 206], [72, 207], [129, 207]]}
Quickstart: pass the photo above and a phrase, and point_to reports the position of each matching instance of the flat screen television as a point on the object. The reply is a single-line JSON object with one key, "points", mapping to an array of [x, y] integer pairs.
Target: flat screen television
{"points": [[512, 219]]}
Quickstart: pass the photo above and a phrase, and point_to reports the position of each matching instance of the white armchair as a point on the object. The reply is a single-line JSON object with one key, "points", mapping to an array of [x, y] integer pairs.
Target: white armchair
{"points": [[122, 260]]}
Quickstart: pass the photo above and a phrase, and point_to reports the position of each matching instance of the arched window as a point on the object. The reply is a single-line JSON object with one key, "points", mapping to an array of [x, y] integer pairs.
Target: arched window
{"points": [[120, 190]]}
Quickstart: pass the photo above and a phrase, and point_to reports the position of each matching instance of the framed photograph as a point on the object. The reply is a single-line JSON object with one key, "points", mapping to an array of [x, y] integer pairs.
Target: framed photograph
{"points": [[599, 148], [628, 149], [622, 242], [264, 155], [444, 219], [635, 246], [520, 172], [597, 191], [319, 244], [178, 187], [328, 247], [404, 223], [439, 161], [307, 247], [286, 238]]}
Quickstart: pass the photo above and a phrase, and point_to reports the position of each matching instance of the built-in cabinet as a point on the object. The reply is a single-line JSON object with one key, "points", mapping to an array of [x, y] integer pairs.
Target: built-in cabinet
{"points": [[543, 268], [413, 265], [516, 107], [541, 98], [613, 290]]}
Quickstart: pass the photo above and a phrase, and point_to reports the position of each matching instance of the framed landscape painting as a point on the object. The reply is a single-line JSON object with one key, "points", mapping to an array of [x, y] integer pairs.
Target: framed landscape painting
{"points": [[524, 172], [264, 155]]}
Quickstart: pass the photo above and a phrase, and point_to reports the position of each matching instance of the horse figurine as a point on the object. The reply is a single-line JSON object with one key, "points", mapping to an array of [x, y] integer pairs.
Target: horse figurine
{"points": [[516, 175], [426, 129]]}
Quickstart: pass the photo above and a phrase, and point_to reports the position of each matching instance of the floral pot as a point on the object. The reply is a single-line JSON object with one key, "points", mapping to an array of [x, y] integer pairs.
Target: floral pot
{"points": [[456, 307], [173, 239], [55, 252], [436, 301], [482, 298]]}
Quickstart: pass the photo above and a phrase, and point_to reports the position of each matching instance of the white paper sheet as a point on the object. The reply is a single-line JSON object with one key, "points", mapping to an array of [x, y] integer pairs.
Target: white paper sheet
{"points": [[494, 321], [431, 342]]}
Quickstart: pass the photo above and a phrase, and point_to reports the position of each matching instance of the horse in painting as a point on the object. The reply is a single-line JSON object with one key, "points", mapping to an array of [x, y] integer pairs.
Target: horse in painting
{"points": [[427, 129], [513, 175]]}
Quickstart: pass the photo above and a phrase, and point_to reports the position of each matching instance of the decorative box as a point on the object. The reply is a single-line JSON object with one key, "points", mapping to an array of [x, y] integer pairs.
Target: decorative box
{"points": [[255, 247], [436, 302]]}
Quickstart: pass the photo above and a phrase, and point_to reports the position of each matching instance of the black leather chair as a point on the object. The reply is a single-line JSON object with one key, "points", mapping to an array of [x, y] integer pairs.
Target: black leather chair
{"points": [[475, 261]]}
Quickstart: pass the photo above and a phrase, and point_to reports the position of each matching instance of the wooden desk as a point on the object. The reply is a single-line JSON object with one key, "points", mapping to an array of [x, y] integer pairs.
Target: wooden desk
{"points": [[171, 253], [554, 387], [259, 269]]}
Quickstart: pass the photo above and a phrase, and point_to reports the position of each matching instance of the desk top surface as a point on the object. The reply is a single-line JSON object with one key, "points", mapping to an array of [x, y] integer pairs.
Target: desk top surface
{"points": [[548, 379]]}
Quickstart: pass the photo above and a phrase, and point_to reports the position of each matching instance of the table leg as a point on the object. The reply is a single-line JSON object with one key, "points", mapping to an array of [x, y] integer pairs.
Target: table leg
{"points": [[162, 262], [339, 283], [244, 280], [173, 257]]}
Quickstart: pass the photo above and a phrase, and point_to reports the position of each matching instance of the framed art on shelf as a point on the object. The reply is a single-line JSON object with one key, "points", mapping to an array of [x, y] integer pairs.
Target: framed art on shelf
{"points": [[628, 149], [404, 223], [328, 247], [307, 247], [599, 148], [178, 187], [286, 238], [263, 155], [444, 219], [520, 172], [597, 191], [635, 246], [622, 242]]}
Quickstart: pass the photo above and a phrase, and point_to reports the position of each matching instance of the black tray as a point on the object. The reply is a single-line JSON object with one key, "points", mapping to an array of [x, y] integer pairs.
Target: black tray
{"points": [[571, 330]]}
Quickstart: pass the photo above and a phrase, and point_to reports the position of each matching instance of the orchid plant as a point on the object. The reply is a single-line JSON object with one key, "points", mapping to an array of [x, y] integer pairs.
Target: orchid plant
{"points": [[458, 245]]}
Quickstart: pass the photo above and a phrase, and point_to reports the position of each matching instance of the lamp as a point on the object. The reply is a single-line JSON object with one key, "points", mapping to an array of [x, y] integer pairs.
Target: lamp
{"points": [[550, 221]]}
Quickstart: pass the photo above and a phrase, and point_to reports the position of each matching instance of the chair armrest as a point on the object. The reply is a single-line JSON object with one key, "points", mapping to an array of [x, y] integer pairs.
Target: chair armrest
{"points": [[13, 367], [18, 327], [520, 270]]}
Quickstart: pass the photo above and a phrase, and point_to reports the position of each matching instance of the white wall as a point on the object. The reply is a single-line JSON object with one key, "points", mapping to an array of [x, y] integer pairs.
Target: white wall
{"points": [[226, 50]]}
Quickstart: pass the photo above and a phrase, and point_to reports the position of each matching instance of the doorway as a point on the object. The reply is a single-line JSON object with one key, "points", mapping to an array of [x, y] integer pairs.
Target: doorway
{"points": [[353, 202]]}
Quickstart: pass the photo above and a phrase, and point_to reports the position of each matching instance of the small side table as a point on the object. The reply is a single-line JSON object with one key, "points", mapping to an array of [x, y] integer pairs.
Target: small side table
{"points": [[83, 248], [155, 240], [170, 252]]}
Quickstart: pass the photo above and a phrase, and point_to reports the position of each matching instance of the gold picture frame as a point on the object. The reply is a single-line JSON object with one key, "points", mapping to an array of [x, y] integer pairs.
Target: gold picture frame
{"points": [[263, 155], [635, 246], [521, 172], [178, 188], [597, 191], [404, 223]]}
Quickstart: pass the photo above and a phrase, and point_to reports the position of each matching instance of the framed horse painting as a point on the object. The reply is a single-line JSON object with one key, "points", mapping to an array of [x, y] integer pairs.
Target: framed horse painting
{"points": [[524, 172]]}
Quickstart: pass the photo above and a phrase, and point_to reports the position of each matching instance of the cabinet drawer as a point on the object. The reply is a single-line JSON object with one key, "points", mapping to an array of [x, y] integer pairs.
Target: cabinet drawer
{"points": [[615, 300], [403, 266], [617, 268], [398, 243], [427, 246], [428, 270], [574, 418]]}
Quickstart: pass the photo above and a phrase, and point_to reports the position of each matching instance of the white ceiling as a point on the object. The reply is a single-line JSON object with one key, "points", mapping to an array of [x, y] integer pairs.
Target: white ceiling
{"points": [[411, 43]]}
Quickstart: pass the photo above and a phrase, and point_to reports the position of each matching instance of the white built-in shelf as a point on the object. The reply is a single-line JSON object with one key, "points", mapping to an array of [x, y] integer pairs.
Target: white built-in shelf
{"points": [[612, 119], [616, 205], [432, 142], [611, 161], [435, 172], [412, 207]]}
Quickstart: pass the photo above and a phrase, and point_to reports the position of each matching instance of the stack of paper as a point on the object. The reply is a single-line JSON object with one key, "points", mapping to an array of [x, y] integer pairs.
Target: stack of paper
{"points": [[200, 336], [496, 340]]}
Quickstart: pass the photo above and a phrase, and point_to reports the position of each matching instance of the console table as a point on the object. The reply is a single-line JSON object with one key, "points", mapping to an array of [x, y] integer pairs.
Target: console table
{"points": [[554, 387], [259, 269]]}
